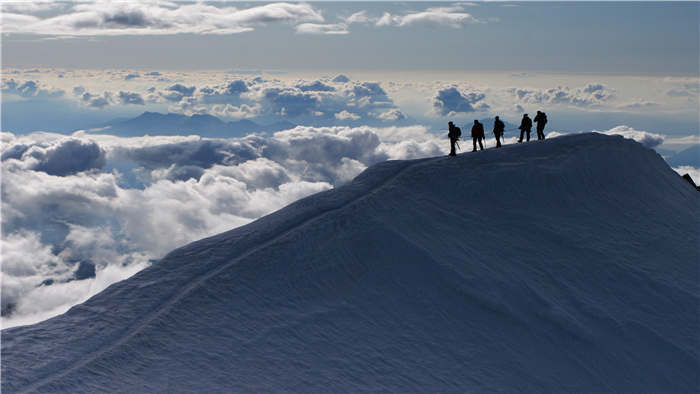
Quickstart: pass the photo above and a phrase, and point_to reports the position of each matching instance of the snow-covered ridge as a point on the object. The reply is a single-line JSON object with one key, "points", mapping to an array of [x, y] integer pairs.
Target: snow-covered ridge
{"points": [[549, 266]]}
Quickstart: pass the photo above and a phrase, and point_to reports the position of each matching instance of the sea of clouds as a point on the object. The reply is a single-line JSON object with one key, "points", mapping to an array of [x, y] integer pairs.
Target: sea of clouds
{"points": [[82, 211]]}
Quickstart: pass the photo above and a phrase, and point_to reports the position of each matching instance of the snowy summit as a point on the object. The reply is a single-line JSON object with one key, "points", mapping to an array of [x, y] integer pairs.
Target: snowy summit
{"points": [[564, 265]]}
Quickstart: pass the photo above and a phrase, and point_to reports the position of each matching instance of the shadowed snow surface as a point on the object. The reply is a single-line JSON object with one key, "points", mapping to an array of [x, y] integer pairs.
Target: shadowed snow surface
{"points": [[565, 265]]}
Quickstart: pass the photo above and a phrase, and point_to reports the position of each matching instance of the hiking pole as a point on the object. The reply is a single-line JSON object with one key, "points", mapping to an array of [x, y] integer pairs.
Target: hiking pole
{"points": [[457, 143]]}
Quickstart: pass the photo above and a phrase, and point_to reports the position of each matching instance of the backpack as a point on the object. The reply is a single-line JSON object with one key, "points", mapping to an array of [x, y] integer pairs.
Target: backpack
{"points": [[544, 118], [458, 132]]}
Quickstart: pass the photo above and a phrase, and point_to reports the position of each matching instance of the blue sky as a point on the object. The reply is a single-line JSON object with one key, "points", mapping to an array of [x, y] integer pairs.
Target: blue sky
{"points": [[659, 38]]}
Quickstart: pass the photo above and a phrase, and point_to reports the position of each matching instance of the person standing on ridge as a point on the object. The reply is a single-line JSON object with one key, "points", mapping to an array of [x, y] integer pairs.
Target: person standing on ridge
{"points": [[498, 129], [525, 127], [477, 134], [453, 134], [541, 120]]}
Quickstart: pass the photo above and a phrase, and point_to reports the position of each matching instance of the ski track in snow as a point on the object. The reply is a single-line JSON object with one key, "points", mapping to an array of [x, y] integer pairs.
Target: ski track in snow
{"points": [[166, 306]]}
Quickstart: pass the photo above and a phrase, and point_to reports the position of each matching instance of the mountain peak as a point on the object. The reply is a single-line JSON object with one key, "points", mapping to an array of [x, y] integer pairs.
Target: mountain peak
{"points": [[503, 270]]}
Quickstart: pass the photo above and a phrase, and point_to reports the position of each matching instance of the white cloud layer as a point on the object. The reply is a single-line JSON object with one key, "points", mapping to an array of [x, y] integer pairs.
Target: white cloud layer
{"points": [[447, 16], [650, 140], [320, 28], [154, 17], [692, 171], [590, 95]]}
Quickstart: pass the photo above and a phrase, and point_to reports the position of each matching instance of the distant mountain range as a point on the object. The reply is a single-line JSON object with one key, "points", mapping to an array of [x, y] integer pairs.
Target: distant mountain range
{"points": [[687, 157], [154, 123]]}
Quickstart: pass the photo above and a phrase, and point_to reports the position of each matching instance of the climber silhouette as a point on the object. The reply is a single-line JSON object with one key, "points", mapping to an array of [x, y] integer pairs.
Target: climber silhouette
{"points": [[498, 129], [453, 134], [477, 134], [541, 120], [525, 127]]}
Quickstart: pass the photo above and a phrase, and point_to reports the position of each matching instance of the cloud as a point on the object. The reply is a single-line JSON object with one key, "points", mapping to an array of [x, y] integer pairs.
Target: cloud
{"points": [[131, 76], [451, 101], [316, 86], [238, 112], [358, 17], [177, 92], [96, 101], [447, 16], [288, 102], [686, 140], [314, 101], [224, 94], [30, 88], [392, 116], [143, 18], [690, 90], [650, 140], [319, 28], [694, 172], [344, 115], [59, 157], [638, 105], [130, 98], [31, 6], [590, 95]]}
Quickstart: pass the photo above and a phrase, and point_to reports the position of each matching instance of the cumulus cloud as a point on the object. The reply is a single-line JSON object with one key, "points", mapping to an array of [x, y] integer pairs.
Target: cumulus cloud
{"points": [[358, 17], [104, 17], [690, 90], [313, 101], [131, 76], [693, 139], [392, 115], [321, 28], [96, 101], [451, 101], [118, 204], [448, 16], [30, 88], [316, 86], [31, 6], [130, 98], [650, 140], [590, 95], [343, 115], [177, 92], [289, 102], [93, 100], [243, 111]]}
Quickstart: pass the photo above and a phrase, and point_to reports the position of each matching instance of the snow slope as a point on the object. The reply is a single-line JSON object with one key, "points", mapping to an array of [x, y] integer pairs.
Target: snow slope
{"points": [[564, 265]]}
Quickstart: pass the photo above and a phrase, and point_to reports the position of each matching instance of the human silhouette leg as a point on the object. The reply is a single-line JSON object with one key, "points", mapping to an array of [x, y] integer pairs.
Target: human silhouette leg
{"points": [[521, 135], [474, 141], [452, 147], [480, 144]]}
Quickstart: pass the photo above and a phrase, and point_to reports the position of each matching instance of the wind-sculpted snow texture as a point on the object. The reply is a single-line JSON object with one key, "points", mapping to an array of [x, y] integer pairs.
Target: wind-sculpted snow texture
{"points": [[545, 267]]}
